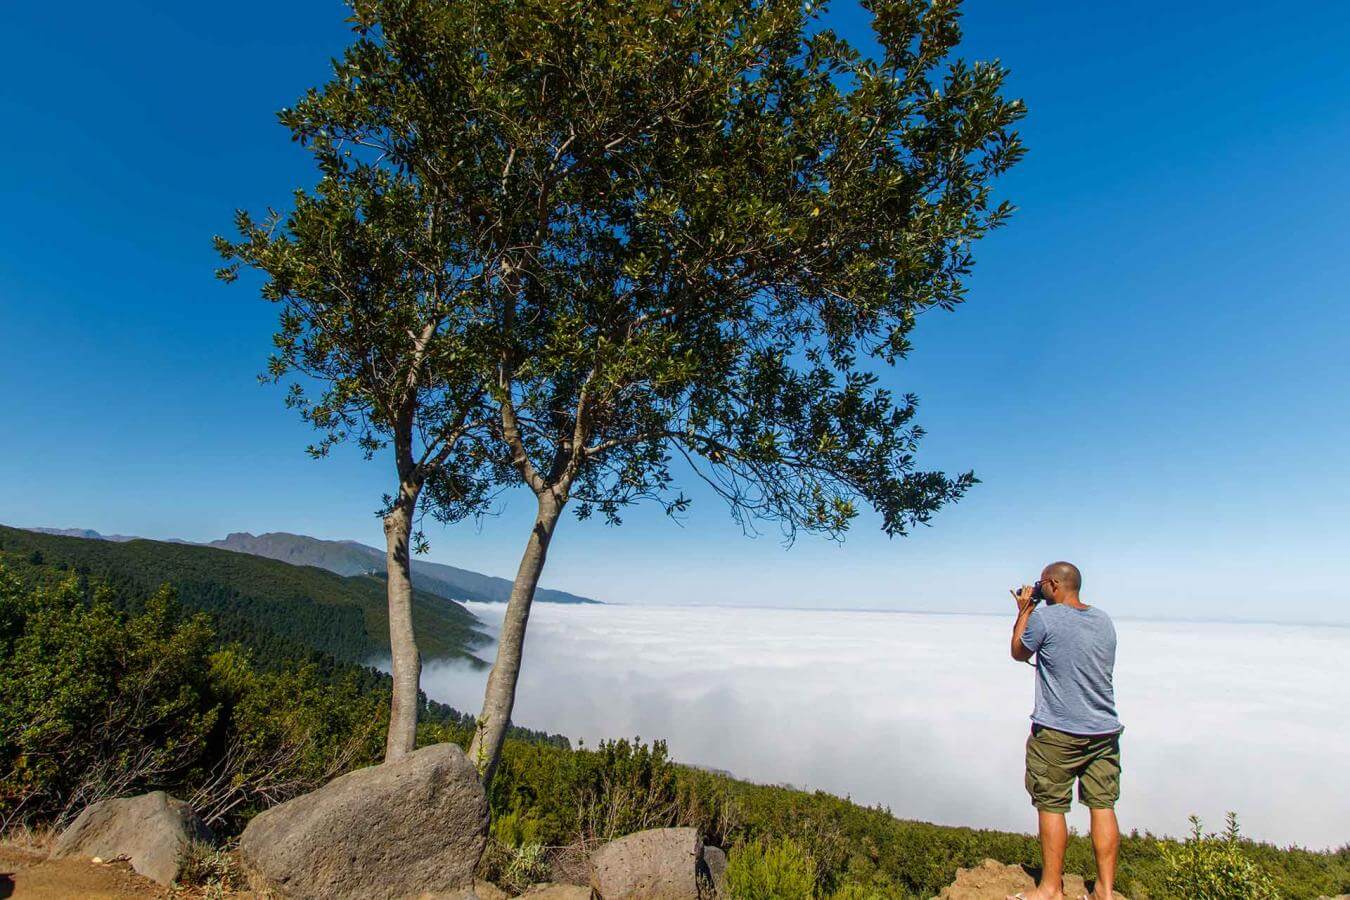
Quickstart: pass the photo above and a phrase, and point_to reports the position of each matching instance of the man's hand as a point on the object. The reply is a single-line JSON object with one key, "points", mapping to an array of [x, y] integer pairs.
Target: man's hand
{"points": [[1025, 604]]}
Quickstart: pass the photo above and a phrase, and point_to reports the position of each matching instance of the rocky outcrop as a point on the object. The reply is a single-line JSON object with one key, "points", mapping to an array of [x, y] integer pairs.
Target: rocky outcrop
{"points": [[715, 859], [992, 880], [150, 830], [412, 826], [659, 864]]}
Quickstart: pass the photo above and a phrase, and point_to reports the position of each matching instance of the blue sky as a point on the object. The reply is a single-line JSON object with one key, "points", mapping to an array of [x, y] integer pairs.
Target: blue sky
{"points": [[1150, 374]]}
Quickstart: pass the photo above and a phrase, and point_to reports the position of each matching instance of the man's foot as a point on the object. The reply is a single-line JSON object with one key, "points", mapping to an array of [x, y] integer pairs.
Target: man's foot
{"points": [[1038, 893], [1099, 894]]}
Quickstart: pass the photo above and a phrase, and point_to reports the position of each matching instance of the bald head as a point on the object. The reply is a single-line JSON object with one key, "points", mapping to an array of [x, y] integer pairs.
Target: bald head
{"points": [[1064, 574]]}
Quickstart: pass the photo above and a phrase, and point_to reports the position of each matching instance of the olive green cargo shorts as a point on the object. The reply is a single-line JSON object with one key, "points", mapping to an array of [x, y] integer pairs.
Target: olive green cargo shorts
{"points": [[1055, 759]]}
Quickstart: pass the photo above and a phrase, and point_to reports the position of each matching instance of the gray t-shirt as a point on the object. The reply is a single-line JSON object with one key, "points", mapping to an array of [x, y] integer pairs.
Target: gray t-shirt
{"points": [[1075, 654]]}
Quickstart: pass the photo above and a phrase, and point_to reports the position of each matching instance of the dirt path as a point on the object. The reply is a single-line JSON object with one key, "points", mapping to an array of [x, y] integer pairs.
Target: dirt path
{"points": [[31, 876]]}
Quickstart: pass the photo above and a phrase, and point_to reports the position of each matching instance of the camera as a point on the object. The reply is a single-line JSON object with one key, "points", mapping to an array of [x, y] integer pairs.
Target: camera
{"points": [[1036, 594]]}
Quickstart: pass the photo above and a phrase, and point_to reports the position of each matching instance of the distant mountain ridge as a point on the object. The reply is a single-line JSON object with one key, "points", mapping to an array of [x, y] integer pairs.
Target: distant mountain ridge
{"points": [[353, 558], [89, 533]]}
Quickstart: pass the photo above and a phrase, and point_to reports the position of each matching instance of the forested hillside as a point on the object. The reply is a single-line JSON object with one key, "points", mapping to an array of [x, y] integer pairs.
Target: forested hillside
{"points": [[112, 691], [280, 609]]}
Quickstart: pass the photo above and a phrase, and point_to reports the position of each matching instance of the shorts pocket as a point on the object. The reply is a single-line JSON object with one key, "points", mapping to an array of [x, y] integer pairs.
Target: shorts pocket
{"points": [[1048, 781]]}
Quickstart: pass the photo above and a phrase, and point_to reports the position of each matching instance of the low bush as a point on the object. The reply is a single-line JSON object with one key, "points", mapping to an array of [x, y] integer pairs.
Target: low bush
{"points": [[216, 869], [109, 703], [1214, 867], [778, 870]]}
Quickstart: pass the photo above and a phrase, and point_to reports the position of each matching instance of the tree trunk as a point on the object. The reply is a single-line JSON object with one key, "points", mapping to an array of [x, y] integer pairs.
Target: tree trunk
{"points": [[405, 661], [500, 696]]}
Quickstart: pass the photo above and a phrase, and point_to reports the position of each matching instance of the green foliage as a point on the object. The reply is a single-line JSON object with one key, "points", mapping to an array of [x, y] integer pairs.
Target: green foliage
{"points": [[514, 867], [857, 892], [96, 705], [284, 733], [625, 787], [694, 241], [528, 865], [515, 829], [282, 612], [1214, 867], [778, 870], [116, 702], [113, 694], [214, 868]]}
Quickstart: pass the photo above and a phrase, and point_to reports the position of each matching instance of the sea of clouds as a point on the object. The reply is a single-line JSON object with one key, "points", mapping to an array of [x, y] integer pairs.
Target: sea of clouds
{"points": [[927, 714]]}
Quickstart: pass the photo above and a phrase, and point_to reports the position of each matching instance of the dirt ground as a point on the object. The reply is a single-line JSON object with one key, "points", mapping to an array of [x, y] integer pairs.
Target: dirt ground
{"points": [[26, 874], [994, 881]]}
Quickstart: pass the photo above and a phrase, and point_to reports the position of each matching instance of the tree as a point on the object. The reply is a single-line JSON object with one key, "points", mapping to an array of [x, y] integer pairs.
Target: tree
{"points": [[701, 229], [378, 304]]}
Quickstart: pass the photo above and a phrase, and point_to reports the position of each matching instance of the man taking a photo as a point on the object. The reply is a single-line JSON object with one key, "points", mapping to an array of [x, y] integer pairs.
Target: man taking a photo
{"points": [[1075, 735]]}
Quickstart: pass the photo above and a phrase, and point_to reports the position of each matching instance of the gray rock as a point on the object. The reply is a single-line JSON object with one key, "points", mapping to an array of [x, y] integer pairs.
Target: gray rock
{"points": [[715, 860], [412, 826], [659, 864], [151, 830]]}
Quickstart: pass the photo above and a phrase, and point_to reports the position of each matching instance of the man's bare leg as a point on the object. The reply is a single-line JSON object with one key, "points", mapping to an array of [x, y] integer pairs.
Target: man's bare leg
{"points": [[1054, 840], [1105, 845]]}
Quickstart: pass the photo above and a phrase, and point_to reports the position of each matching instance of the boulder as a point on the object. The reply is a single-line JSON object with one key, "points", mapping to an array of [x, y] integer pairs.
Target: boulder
{"points": [[715, 860], [415, 825], [150, 830], [992, 880], [659, 864]]}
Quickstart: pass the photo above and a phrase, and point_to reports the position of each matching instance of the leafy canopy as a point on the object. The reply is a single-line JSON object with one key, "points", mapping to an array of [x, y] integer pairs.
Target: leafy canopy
{"points": [[658, 234]]}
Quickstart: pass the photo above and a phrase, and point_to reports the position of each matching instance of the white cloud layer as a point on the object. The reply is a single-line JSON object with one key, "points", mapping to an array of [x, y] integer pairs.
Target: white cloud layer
{"points": [[927, 715]]}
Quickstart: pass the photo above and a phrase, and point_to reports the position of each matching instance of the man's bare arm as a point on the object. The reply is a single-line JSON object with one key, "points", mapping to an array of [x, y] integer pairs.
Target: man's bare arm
{"points": [[1024, 608]]}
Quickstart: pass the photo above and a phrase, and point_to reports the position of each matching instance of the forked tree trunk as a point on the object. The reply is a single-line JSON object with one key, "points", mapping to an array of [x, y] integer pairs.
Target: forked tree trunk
{"points": [[405, 661], [500, 696]]}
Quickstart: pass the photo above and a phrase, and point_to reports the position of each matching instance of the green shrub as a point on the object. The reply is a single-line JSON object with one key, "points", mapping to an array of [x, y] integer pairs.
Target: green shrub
{"points": [[513, 868], [207, 866], [109, 702], [625, 787], [1214, 867], [96, 704], [778, 870], [858, 892]]}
